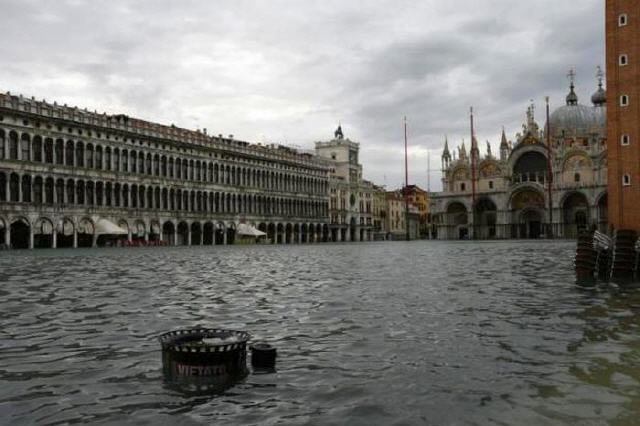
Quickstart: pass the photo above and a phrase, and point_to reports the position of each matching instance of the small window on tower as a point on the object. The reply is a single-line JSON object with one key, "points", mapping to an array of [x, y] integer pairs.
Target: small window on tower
{"points": [[623, 60], [576, 177], [622, 20], [626, 180], [463, 187], [624, 100], [490, 184], [624, 140]]}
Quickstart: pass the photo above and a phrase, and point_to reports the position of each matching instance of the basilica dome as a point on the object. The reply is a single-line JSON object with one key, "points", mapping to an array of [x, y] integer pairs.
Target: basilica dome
{"points": [[574, 119]]}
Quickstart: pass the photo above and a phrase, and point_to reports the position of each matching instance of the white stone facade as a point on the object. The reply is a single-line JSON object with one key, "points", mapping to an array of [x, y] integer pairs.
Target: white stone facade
{"points": [[63, 169]]}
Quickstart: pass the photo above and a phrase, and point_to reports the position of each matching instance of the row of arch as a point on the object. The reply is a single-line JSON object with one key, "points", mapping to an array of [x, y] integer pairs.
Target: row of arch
{"points": [[526, 216], [49, 190], [71, 153], [45, 232]]}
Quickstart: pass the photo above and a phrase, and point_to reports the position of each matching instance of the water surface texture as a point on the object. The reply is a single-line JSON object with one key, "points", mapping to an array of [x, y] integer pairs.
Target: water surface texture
{"points": [[435, 333]]}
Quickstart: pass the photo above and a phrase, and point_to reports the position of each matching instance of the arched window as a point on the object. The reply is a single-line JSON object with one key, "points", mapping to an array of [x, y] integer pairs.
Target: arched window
{"points": [[48, 151], [576, 177], [25, 143], [2, 139], [37, 149]]}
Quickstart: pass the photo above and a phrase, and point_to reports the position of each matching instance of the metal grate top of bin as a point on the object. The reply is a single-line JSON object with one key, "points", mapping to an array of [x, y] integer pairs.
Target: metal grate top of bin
{"points": [[182, 340]]}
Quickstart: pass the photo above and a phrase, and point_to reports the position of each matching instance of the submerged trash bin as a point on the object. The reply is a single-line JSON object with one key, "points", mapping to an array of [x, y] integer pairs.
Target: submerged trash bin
{"points": [[204, 359]]}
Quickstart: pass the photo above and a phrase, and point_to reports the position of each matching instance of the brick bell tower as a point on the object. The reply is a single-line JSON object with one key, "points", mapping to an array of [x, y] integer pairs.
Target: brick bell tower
{"points": [[623, 112]]}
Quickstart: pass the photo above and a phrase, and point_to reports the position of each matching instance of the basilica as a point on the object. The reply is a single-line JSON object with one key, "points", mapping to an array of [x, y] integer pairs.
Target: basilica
{"points": [[548, 183]]}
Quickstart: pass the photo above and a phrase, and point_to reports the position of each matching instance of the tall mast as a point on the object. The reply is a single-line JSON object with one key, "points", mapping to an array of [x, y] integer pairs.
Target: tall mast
{"points": [[474, 159], [428, 172], [549, 170], [406, 180]]}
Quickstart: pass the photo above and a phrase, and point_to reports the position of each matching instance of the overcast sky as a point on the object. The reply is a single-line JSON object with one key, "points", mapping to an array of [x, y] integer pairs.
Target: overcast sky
{"points": [[289, 71]]}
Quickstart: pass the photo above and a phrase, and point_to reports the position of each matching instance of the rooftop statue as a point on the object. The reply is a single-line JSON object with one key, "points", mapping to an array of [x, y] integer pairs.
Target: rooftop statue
{"points": [[338, 133]]}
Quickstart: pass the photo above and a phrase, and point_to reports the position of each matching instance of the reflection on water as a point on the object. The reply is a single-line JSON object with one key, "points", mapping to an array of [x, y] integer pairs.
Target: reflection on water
{"points": [[389, 333]]}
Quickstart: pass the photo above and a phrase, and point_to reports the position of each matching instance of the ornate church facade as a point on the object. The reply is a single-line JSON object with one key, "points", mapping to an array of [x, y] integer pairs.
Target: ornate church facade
{"points": [[541, 185]]}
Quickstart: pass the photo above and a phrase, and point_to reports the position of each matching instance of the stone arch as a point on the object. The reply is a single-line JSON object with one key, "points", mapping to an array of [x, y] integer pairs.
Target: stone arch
{"points": [[208, 233], [288, 233], [20, 233], [43, 230], [231, 233], [169, 233], [457, 220], [577, 168], [155, 230], [64, 232], [86, 232], [182, 234], [196, 234], [575, 213], [527, 207], [139, 230], [484, 219]]}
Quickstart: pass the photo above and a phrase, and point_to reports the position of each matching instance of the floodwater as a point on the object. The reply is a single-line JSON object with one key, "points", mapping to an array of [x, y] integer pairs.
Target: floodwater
{"points": [[435, 333]]}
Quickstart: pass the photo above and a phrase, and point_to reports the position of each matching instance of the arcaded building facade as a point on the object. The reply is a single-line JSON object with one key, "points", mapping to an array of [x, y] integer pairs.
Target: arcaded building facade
{"points": [[534, 187], [70, 177], [623, 87]]}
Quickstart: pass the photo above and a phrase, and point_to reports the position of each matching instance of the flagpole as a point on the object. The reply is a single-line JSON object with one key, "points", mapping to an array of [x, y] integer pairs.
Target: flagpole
{"points": [[473, 173], [549, 170], [406, 180]]}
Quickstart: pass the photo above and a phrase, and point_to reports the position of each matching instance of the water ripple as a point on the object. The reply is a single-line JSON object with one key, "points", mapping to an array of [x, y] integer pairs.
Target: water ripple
{"points": [[391, 333]]}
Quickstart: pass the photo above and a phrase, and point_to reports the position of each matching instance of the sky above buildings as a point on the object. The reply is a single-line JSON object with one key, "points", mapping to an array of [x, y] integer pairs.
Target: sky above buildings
{"points": [[289, 71]]}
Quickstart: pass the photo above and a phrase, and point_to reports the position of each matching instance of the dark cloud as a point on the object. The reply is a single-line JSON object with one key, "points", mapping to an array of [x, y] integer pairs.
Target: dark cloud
{"points": [[285, 71]]}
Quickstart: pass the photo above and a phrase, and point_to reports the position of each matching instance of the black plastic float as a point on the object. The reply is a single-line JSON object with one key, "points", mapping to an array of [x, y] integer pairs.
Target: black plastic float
{"points": [[263, 356]]}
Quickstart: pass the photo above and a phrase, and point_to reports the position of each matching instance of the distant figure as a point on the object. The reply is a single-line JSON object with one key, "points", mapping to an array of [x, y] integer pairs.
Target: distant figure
{"points": [[338, 133]]}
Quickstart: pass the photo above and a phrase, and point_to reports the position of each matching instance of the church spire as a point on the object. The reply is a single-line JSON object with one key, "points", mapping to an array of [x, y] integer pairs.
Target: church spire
{"points": [[599, 98], [446, 155], [504, 146], [572, 98]]}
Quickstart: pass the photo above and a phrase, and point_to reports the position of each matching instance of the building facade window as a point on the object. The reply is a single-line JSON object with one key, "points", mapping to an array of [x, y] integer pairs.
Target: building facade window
{"points": [[624, 140], [624, 100], [576, 177], [623, 19], [463, 187], [490, 184], [623, 60], [626, 180]]}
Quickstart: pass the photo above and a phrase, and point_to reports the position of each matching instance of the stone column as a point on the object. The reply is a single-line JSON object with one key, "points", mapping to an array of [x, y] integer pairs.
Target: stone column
{"points": [[54, 239], [19, 188], [75, 237], [7, 235], [347, 234], [357, 234], [224, 236], [30, 237], [94, 240], [299, 237], [189, 236]]}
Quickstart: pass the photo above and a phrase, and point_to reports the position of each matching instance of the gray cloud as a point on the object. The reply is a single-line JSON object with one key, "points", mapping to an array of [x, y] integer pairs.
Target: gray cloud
{"points": [[285, 71]]}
